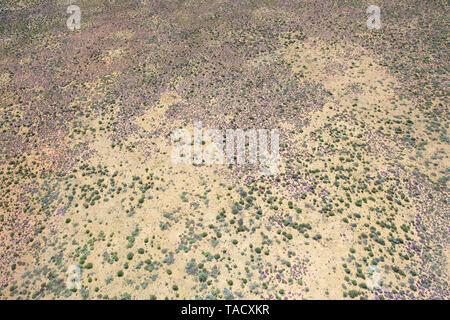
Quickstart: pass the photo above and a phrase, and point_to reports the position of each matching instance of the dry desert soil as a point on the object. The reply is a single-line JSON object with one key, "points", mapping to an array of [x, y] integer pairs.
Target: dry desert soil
{"points": [[92, 205]]}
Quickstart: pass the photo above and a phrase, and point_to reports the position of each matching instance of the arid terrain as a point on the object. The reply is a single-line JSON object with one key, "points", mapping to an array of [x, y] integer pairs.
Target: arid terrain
{"points": [[92, 205]]}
